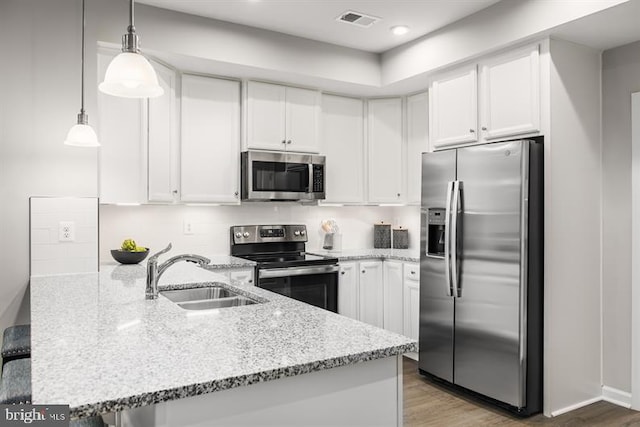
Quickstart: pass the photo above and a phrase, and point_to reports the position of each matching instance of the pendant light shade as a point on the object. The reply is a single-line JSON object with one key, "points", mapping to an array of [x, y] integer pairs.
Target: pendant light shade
{"points": [[129, 74], [81, 134]]}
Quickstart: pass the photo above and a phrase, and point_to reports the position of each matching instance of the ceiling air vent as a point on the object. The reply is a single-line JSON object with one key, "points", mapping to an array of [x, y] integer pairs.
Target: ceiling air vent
{"points": [[357, 18]]}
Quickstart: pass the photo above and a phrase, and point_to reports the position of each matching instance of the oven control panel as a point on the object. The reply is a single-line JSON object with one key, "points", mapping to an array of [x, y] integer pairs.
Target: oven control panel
{"points": [[241, 234]]}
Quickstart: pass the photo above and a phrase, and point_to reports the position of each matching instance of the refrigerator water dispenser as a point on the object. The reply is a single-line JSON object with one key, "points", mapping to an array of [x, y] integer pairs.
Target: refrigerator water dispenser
{"points": [[436, 232]]}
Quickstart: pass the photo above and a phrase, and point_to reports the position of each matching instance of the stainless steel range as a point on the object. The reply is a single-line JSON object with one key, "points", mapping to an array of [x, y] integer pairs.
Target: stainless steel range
{"points": [[284, 267]]}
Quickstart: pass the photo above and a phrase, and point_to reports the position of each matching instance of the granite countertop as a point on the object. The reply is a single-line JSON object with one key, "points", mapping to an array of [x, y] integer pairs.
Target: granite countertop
{"points": [[224, 262], [409, 255], [99, 346]]}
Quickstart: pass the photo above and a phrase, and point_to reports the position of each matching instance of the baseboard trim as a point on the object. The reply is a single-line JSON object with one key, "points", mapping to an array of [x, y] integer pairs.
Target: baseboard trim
{"points": [[615, 396], [575, 406]]}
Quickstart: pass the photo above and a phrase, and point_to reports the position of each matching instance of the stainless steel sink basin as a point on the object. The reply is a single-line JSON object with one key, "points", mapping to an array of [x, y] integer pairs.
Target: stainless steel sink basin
{"points": [[206, 298], [217, 303], [197, 294]]}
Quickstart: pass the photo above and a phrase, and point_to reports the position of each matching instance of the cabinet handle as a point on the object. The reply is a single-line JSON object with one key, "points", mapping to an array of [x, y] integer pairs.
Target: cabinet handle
{"points": [[363, 271], [250, 281], [413, 272], [284, 142], [289, 142], [472, 130], [235, 194], [484, 128], [175, 191], [342, 272], [398, 194]]}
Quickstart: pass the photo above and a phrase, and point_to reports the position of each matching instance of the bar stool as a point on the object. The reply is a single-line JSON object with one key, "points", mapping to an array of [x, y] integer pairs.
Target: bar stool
{"points": [[16, 343], [15, 384]]}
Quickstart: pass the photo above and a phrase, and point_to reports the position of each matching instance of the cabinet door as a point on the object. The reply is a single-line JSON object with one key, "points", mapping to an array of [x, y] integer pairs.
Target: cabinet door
{"points": [[210, 150], [266, 110], [453, 108], [348, 290], [122, 137], [411, 300], [385, 150], [417, 143], [393, 302], [243, 277], [371, 293], [302, 120], [343, 146], [162, 143], [510, 94]]}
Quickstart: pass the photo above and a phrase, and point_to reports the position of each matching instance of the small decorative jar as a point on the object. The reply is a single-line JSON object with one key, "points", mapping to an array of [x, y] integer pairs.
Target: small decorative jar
{"points": [[382, 235]]}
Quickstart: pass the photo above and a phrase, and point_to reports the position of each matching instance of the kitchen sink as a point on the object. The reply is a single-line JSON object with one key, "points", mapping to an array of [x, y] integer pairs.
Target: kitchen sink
{"points": [[197, 294], [206, 298], [217, 303]]}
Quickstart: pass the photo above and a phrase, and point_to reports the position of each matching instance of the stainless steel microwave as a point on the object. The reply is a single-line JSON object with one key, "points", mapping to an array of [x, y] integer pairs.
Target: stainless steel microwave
{"points": [[282, 176]]}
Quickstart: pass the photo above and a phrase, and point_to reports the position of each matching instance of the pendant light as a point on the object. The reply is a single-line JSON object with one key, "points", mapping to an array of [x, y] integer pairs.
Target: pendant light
{"points": [[82, 135], [129, 74]]}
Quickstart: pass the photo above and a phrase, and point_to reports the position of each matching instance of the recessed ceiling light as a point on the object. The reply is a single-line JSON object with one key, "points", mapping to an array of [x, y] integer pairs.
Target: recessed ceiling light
{"points": [[399, 30]]}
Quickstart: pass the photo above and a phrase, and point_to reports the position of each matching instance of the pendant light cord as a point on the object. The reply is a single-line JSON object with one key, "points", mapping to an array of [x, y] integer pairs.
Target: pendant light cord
{"points": [[82, 71], [131, 28]]}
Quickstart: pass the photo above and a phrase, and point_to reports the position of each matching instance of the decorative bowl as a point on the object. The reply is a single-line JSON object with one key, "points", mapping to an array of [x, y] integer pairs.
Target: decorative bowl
{"points": [[129, 257]]}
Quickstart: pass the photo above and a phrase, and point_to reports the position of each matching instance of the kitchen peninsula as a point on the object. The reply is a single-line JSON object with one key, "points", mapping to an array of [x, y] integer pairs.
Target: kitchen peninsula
{"points": [[100, 347]]}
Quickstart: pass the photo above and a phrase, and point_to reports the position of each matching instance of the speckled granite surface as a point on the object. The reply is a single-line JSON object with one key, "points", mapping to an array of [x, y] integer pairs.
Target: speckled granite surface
{"points": [[409, 255], [99, 346]]}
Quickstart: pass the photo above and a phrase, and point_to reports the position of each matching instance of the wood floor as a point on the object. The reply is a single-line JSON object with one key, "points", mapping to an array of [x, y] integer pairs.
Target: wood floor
{"points": [[427, 404]]}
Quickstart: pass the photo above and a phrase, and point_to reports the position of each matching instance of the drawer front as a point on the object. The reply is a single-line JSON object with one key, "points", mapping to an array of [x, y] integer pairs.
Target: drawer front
{"points": [[411, 271]]}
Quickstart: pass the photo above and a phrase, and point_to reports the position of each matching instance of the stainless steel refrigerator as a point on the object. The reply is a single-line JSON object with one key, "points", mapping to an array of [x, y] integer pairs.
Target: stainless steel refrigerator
{"points": [[481, 271]]}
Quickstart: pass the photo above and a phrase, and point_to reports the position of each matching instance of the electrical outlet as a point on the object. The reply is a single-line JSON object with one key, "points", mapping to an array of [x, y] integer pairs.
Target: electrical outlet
{"points": [[66, 231], [188, 227]]}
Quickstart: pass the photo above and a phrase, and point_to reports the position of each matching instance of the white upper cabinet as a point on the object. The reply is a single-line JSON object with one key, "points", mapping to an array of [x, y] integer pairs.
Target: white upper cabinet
{"points": [[282, 118], [385, 151], [163, 137], [506, 101], [343, 145], [121, 133], [417, 143], [453, 109], [510, 94], [210, 146]]}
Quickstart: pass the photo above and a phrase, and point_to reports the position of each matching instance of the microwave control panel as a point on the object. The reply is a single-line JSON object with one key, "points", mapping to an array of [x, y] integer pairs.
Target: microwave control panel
{"points": [[318, 178]]}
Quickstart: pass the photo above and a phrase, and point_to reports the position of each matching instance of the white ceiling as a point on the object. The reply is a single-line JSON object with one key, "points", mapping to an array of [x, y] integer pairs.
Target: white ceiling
{"points": [[316, 19]]}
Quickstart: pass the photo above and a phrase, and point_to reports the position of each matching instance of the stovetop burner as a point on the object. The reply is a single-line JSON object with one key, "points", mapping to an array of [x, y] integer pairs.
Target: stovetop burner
{"points": [[274, 246]]}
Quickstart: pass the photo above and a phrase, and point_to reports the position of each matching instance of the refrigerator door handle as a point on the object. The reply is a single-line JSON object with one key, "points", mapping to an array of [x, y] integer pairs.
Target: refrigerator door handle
{"points": [[455, 213], [447, 241]]}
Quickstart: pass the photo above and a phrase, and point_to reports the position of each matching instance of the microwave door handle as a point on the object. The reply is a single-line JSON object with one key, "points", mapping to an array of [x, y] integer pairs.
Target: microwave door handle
{"points": [[310, 188]]}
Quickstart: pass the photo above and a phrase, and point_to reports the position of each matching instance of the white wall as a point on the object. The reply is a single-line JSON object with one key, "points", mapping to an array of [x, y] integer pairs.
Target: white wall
{"points": [[40, 86], [211, 224], [498, 26], [620, 78], [573, 230]]}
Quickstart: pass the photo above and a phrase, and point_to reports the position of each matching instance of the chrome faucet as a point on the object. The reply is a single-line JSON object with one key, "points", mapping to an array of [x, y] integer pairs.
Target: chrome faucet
{"points": [[154, 271]]}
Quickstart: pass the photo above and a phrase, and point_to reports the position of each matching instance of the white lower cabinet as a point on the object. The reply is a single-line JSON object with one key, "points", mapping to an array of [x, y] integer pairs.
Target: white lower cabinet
{"points": [[371, 293], [393, 302], [411, 303], [360, 291], [382, 293], [348, 289]]}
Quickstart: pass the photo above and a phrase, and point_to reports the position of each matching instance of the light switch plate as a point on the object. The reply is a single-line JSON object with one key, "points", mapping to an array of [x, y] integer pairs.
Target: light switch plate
{"points": [[66, 231]]}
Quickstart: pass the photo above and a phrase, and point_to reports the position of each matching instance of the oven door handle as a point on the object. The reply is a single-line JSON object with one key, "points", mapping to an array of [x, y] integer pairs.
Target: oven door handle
{"points": [[268, 273]]}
